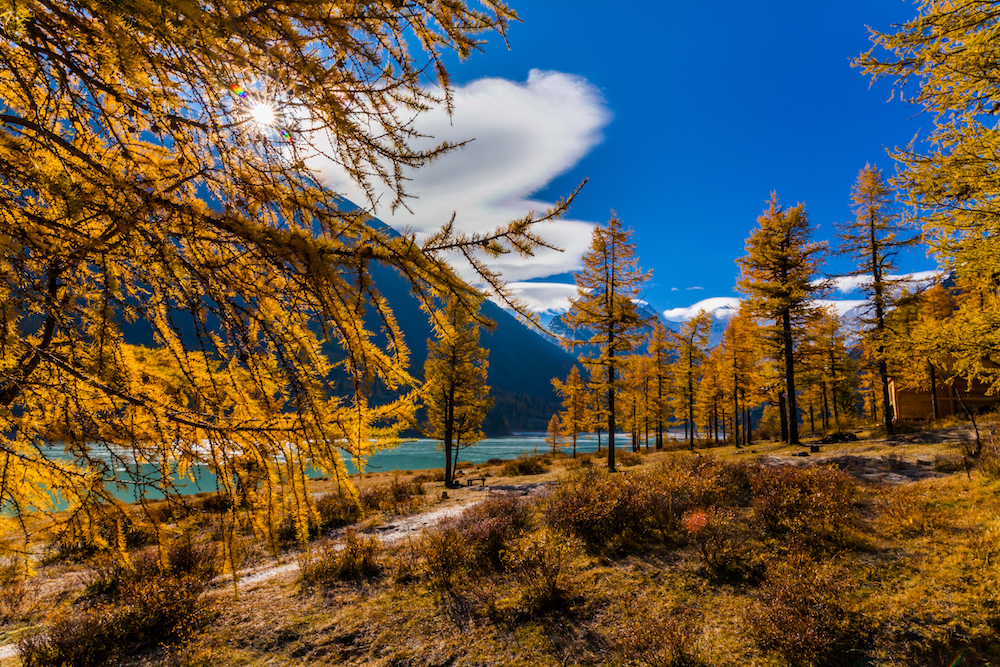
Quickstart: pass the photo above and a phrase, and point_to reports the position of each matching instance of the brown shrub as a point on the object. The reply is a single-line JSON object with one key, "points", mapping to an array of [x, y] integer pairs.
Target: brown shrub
{"points": [[138, 611], [803, 615], [489, 526], [813, 505], [661, 636], [445, 554], [398, 496], [614, 512], [628, 459], [537, 561], [526, 464], [353, 558], [724, 542], [16, 593]]}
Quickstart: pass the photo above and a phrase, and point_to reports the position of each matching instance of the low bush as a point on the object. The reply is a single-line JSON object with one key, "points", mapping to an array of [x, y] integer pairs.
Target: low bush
{"points": [[614, 512], [725, 544], [538, 561], [948, 464], [489, 526], [15, 591], [398, 496], [336, 510], [814, 505], [102, 529], [149, 603], [628, 459], [664, 636], [716, 483], [444, 551], [804, 615], [353, 558], [526, 464]]}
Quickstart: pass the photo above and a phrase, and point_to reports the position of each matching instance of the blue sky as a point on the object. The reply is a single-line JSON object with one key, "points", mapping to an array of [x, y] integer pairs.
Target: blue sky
{"points": [[682, 116]]}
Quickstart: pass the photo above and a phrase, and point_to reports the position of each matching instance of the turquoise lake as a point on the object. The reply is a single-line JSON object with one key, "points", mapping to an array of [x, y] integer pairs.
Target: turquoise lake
{"points": [[415, 455]]}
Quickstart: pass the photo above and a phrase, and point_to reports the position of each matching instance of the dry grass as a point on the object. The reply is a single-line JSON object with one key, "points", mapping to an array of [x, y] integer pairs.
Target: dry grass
{"points": [[898, 564]]}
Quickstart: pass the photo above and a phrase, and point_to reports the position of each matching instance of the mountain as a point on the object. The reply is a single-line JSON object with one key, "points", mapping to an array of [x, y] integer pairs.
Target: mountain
{"points": [[522, 362]]}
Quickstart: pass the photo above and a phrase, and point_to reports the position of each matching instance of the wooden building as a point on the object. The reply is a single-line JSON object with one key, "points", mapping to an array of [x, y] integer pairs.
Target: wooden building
{"points": [[916, 403]]}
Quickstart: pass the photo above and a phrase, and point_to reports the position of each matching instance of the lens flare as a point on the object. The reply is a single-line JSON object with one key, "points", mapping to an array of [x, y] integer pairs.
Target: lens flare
{"points": [[262, 114]]}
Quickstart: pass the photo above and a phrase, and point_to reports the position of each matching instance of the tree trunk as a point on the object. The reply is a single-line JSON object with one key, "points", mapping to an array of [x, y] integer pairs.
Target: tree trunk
{"points": [[659, 409], [934, 398], [877, 287], [611, 402], [449, 431], [736, 411], [826, 409], [793, 413], [691, 394], [812, 419], [782, 416], [887, 411]]}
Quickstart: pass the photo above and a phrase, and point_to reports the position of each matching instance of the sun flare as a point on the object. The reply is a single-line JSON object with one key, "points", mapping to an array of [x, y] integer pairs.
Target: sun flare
{"points": [[262, 114]]}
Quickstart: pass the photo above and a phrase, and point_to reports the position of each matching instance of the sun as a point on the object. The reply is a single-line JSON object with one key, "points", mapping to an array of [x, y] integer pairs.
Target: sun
{"points": [[262, 114]]}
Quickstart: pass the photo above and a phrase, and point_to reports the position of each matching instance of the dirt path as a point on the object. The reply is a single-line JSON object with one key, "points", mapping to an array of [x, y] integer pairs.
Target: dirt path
{"points": [[402, 528]]}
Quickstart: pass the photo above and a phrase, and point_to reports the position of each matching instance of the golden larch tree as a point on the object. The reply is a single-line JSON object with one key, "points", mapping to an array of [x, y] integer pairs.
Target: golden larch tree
{"points": [[692, 342], [874, 239], [662, 349], [779, 278], [574, 413], [178, 283], [455, 392], [944, 60], [607, 290]]}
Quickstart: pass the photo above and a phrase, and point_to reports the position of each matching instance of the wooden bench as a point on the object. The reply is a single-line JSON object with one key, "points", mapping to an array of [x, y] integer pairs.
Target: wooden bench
{"points": [[470, 480]]}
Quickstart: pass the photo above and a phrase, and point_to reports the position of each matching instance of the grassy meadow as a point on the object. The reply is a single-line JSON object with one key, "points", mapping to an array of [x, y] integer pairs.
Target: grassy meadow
{"points": [[874, 552]]}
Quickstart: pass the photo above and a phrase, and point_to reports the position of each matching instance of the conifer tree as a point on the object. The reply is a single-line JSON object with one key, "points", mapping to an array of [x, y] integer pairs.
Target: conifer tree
{"points": [[873, 240], [574, 413], [691, 344], [607, 289], [553, 434], [455, 391], [177, 279], [944, 61], [779, 278], [661, 350], [741, 343]]}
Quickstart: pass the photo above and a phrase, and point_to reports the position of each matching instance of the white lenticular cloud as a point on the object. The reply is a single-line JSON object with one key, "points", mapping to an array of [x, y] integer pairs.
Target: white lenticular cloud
{"points": [[719, 306], [851, 284], [545, 297], [843, 307], [524, 135]]}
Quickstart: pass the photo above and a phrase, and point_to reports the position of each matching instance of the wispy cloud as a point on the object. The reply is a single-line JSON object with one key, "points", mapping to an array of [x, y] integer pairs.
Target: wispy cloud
{"points": [[852, 284], [718, 306], [694, 288], [545, 297], [525, 134], [842, 306]]}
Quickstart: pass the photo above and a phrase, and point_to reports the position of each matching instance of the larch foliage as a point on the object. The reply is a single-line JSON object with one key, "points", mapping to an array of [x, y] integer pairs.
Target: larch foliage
{"points": [[692, 342], [779, 276], [944, 60], [662, 349], [179, 286], [573, 417], [872, 240], [607, 290], [455, 392]]}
